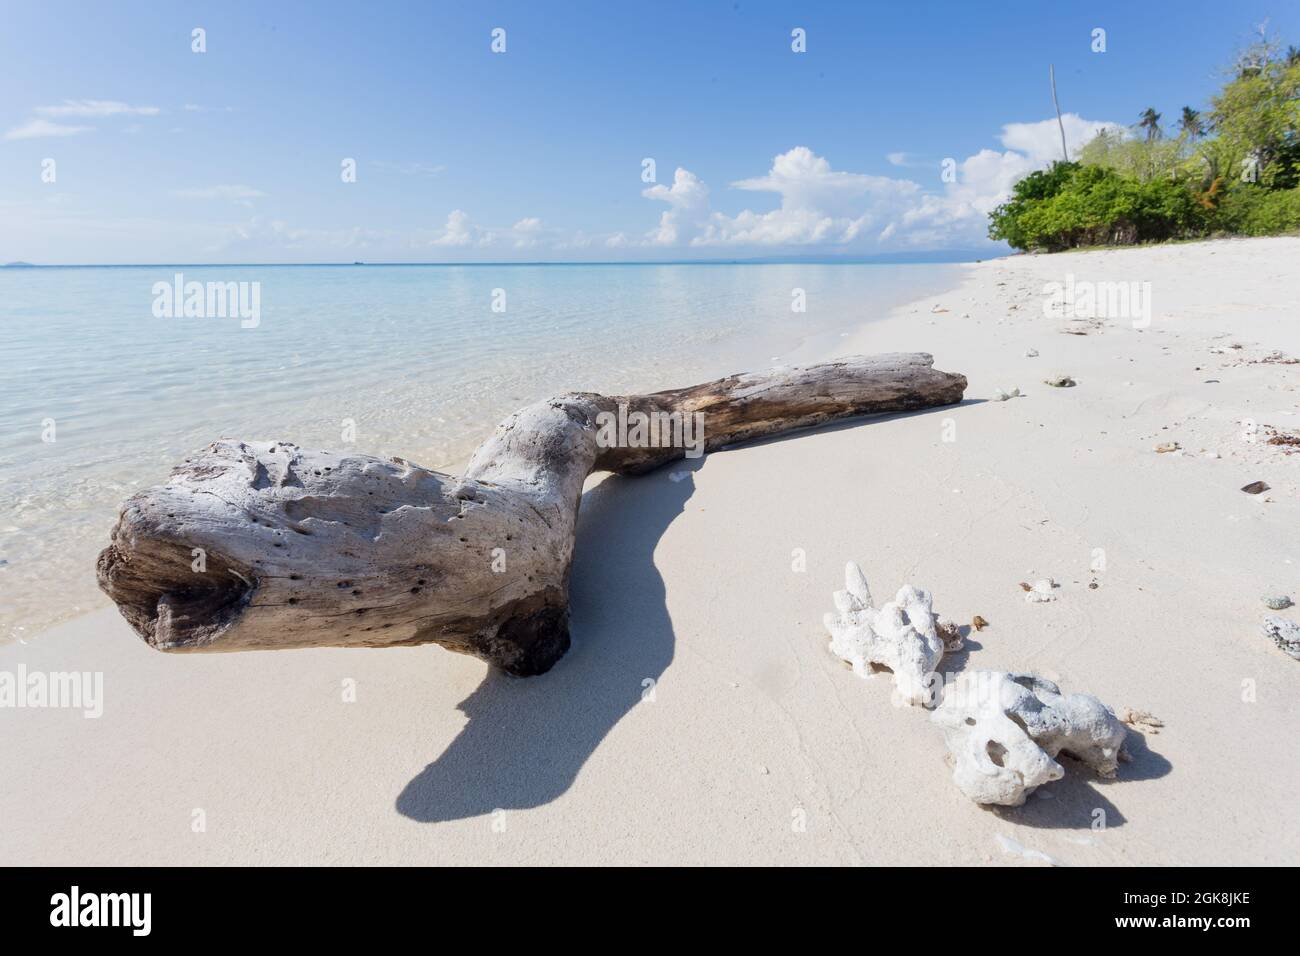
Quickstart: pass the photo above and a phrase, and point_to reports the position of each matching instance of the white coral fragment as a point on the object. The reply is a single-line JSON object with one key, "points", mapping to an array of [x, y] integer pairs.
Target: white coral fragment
{"points": [[901, 635], [1285, 634], [1004, 732], [1041, 592]]}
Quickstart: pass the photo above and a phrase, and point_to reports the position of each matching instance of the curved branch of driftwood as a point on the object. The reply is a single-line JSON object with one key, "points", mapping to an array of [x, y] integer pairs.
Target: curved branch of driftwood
{"points": [[268, 545]]}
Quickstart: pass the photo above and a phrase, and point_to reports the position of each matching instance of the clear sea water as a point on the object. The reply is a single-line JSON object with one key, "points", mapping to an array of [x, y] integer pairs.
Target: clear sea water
{"points": [[414, 356]]}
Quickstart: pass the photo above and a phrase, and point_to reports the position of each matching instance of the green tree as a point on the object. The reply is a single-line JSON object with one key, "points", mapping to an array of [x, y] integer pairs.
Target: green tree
{"points": [[1115, 148], [1150, 121], [1256, 118], [1234, 169]]}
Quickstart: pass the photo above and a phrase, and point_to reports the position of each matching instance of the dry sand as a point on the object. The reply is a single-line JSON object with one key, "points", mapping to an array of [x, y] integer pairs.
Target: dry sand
{"points": [[685, 578]]}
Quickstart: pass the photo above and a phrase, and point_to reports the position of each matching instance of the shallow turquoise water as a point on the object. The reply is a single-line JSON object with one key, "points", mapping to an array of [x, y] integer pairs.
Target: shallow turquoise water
{"points": [[414, 357]]}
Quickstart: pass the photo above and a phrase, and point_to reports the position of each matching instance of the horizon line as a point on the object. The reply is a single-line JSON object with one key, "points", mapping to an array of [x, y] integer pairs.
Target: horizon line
{"points": [[935, 257]]}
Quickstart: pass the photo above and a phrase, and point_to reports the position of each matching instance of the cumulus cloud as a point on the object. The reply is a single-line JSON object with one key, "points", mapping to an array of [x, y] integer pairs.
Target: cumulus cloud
{"points": [[806, 181], [459, 231], [1041, 141], [688, 199], [820, 205], [41, 128], [959, 215], [527, 232]]}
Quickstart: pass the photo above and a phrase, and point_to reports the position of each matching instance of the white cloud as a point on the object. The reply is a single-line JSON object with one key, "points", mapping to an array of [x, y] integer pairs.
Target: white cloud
{"points": [[230, 191], [861, 212], [959, 215], [97, 108], [275, 235], [818, 205], [805, 180], [527, 232], [800, 203], [688, 199], [1041, 141], [40, 128], [460, 230], [409, 169]]}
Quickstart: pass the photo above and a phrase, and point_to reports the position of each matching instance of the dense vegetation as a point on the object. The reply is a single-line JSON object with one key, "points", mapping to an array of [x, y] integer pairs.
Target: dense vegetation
{"points": [[1234, 170]]}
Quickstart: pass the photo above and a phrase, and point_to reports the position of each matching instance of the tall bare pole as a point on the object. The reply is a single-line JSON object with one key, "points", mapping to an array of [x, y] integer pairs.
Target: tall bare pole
{"points": [[1051, 73]]}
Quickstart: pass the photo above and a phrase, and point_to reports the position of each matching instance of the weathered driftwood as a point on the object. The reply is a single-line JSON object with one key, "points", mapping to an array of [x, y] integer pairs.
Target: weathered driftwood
{"points": [[259, 544]]}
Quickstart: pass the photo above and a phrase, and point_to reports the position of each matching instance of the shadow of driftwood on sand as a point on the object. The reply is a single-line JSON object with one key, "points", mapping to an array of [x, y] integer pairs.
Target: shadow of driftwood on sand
{"points": [[526, 739]]}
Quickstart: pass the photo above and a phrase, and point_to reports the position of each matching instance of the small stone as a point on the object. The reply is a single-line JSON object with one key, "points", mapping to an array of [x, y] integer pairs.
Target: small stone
{"points": [[1031, 353], [1165, 447], [1255, 488], [1060, 381], [978, 623], [1277, 602]]}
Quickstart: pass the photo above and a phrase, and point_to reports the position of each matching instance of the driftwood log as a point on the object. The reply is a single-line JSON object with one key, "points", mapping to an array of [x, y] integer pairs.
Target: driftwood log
{"points": [[261, 544]]}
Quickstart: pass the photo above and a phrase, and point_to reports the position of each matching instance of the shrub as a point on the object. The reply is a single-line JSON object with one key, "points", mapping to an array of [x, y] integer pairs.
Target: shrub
{"points": [[1093, 205], [1255, 211]]}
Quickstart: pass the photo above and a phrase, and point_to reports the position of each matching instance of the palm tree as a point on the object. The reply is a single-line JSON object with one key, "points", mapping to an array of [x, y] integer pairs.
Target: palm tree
{"points": [[1292, 56], [1190, 124], [1150, 121]]}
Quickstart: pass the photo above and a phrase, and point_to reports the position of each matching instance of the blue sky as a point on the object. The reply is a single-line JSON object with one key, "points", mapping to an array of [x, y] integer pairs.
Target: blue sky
{"points": [[162, 154]]}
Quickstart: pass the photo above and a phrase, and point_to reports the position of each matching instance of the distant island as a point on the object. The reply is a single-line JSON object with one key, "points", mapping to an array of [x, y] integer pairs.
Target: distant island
{"points": [[19, 265]]}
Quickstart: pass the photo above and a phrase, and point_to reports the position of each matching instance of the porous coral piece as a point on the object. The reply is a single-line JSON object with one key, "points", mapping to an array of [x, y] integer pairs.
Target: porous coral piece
{"points": [[1285, 634], [1004, 732], [901, 635]]}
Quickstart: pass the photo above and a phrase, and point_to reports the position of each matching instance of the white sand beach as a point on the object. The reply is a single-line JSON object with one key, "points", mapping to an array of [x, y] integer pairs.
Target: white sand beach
{"points": [[753, 744]]}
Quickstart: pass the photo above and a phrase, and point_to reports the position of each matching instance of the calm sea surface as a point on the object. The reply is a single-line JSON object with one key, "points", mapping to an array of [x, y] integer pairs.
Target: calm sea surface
{"points": [[99, 397]]}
